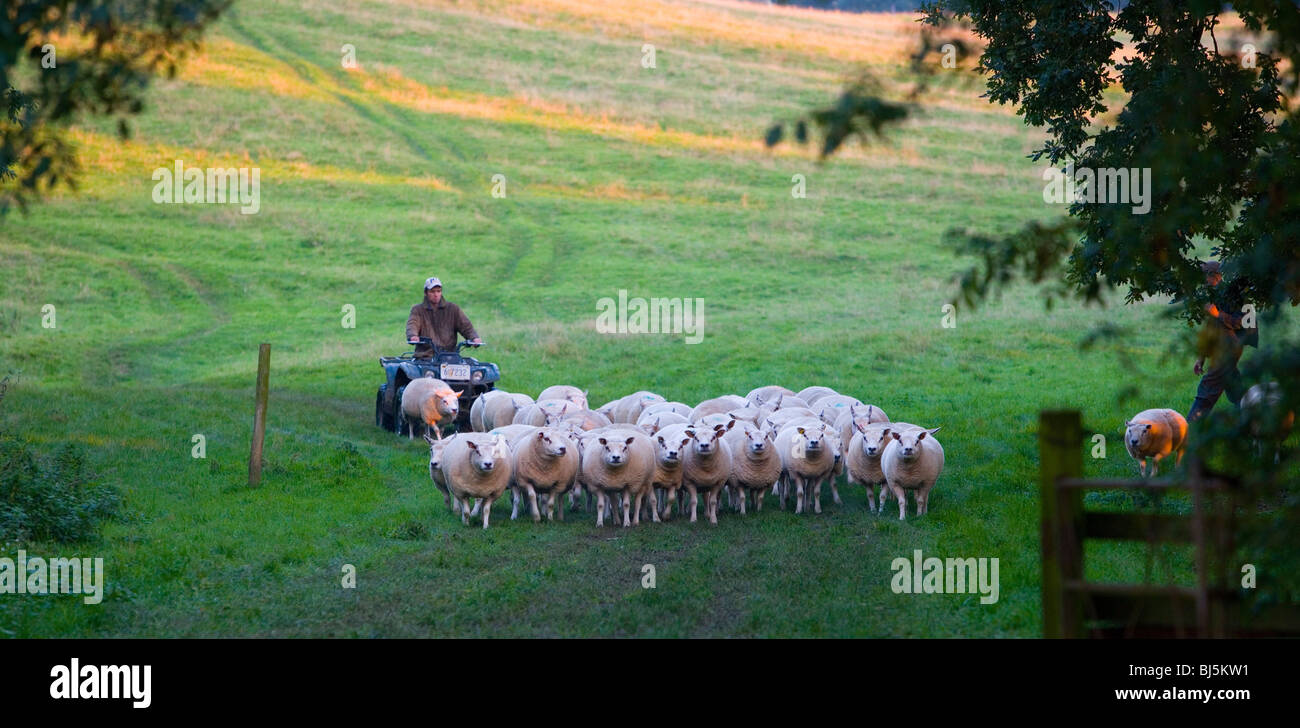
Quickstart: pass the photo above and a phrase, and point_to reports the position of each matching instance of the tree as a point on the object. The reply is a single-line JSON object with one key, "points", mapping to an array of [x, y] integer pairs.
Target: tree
{"points": [[63, 58], [1215, 121]]}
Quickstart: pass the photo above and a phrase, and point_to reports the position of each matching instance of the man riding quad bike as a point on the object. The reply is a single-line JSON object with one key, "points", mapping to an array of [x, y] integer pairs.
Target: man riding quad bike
{"points": [[432, 328]]}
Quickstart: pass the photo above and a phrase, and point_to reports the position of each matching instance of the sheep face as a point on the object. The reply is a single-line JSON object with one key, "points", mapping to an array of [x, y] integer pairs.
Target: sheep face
{"points": [[552, 446], [670, 451], [757, 440], [706, 442], [874, 440], [446, 404], [909, 443], [814, 439], [1138, 434], [615, 454], [485, 459], [435, 451]]}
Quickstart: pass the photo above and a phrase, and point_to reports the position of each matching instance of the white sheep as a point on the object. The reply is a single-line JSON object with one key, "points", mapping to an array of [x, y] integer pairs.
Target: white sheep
{"points": [[755, 464], [812, 394], [435, 465], [831, 407], [707, 467], [671, 443], [1155, 434], [862, 459], [567, 393], [808, 455], [758, 395], [544, 462], [619, 461], [1261, 409], [431, 403], [653, 422], [582, 419], [498, 411], [679, 408], [717, 405], [476, 466], [538, 413], [629, 408], [912, 460]]}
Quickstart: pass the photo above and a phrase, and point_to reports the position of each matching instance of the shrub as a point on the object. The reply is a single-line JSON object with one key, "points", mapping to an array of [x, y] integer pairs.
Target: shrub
{"points": [[51, 498]]}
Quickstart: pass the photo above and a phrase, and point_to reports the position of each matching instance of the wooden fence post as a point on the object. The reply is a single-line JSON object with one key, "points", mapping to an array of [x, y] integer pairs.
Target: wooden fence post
{"points": [[1060, 454], [259, 414]]}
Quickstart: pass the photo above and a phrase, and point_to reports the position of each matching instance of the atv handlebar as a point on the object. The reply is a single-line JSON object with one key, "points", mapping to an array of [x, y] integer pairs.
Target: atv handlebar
{"points": [[426, 341]]}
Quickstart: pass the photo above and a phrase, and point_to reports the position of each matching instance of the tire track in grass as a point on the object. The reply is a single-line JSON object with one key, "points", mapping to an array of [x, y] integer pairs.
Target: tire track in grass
{"points": [[394, 120]]}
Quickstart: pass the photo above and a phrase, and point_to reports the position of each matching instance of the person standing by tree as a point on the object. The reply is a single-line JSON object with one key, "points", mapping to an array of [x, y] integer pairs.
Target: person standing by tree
{"points": [[1223, 338]]}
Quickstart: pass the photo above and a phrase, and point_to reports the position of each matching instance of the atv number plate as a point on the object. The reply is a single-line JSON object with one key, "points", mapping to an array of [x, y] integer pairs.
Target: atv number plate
{"points": [[455, 371]]}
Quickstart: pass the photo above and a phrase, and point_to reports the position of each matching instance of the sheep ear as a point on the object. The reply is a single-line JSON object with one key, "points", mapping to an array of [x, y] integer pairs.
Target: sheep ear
{"points": [[884, 434], [660, 438], [732, 423], [602, 441], [921, 436], [629, 441], [1148, 427], [471, 445], [541, 435], [859, 428], [428, 439], [800, 429], [940, 427], [895, 435]]}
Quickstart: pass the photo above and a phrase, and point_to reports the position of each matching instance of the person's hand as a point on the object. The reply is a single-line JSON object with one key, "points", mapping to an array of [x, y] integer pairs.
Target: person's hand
{"points": [[413, 340], [1200, 366], [476, 341]]}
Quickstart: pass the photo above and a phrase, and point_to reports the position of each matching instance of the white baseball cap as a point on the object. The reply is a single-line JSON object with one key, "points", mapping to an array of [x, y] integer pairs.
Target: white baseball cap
{"points": [[432, 283]]}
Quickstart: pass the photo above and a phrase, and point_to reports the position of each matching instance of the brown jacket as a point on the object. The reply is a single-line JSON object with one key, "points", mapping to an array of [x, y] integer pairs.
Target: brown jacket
{"points": [[440, 323]]}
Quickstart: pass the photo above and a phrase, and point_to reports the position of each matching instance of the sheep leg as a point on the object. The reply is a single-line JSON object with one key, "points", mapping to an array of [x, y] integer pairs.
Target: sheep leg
{"points": [[694, 500], [532, 502], [817, 495], [902, 500], [637, 504], [835, 493], [1155, 465], [884, 496], [925, 498], [779, 489], [654, 506], [627, 515], [600, 507], [758, 499], [871, 496], [798, 494], [514, 510], [744, 496], [487, 511], [478, 503]]}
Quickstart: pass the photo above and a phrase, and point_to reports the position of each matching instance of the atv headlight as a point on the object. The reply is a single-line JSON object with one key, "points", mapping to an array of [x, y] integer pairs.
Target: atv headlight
{"points": [[477, 376]]}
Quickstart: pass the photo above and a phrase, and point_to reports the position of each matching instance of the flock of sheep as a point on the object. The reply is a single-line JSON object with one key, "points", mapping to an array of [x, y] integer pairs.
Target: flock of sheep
{"points": [[641, 454]]}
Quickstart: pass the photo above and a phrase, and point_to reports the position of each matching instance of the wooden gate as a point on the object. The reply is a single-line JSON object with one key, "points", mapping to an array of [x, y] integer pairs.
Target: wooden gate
{"points": [[1074, 607]]}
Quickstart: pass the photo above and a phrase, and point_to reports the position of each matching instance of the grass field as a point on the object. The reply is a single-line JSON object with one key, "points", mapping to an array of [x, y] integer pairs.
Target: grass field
{"points": [[652, 180]]}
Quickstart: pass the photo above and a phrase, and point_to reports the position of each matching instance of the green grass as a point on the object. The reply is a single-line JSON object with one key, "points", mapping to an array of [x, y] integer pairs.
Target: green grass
{"points": [[161, 308]]}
